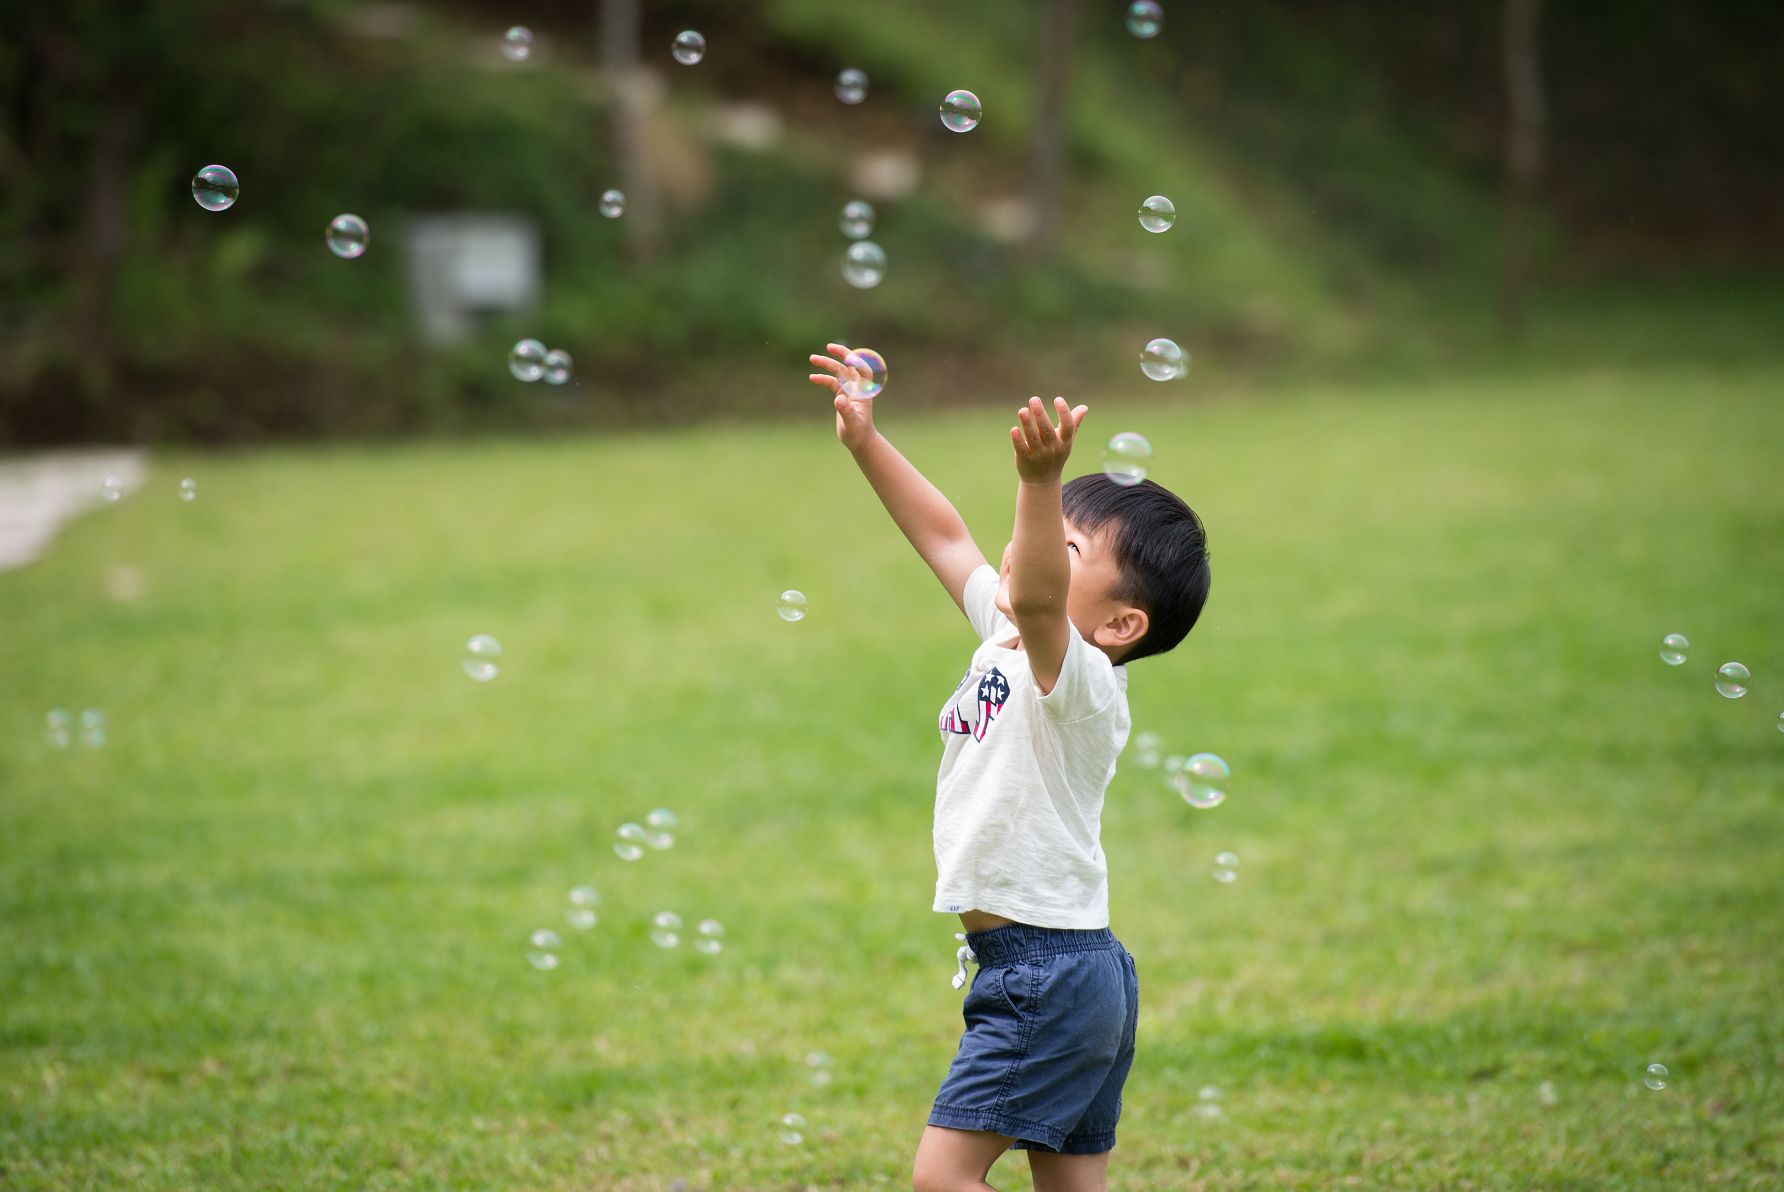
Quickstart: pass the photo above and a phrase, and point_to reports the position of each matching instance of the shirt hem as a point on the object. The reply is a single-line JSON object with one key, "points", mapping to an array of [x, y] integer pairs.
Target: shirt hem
{"points": [[1031, 916]]}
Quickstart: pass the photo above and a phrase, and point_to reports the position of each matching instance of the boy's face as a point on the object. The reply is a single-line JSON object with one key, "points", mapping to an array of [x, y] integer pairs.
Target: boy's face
{"points": [[1099, 618]]}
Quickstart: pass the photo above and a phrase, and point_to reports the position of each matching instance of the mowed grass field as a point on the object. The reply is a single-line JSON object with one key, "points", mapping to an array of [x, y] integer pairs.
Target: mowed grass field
{"points": [[272, 934]]}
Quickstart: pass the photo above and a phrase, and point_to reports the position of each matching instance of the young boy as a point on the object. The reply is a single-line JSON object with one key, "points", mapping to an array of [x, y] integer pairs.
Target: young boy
{"points": [[1096, 575]]}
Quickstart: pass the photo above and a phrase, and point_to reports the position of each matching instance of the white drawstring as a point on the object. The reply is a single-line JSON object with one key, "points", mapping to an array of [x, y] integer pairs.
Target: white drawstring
{"points": [[962, 954]]}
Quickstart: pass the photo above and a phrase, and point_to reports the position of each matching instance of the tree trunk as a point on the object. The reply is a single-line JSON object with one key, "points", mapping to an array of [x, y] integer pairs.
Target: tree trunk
{"points": [[1523, 155], [633, 91], [1047, 151]]}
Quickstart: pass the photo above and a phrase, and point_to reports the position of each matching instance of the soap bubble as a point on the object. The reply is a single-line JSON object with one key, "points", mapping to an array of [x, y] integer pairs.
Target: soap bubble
{"points": [[1673, 647], [188, 489], [1226, 867], [111, 489], [542, 953], [526, 360], [629, 841], [851, 86], [481, 653], [1145, 18], [557, 366], [348, 236], [712, 937], [1126, 457], [612, 204], [1163, 360], [1731, 680], [1781, 722], [857, 219], [660, 827], [1656, 1077], [1545, 1093], [583, 901], [1200, 779], [792, 1129], [868, 376], [689, 47], [92, 728], [961, 111], [517, 44], [820, 1064], [55, 728], [215, 188], [1147, 748], [1157, 214], [791, 605], [864, 264], [665, 929], [1208, 1102]]}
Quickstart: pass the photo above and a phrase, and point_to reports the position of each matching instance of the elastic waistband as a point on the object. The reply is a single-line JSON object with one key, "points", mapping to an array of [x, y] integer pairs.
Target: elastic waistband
{"points": [[1019, 942]]}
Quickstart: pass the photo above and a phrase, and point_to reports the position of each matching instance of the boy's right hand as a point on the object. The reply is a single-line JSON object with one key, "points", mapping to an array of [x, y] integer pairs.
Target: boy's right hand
{"points": [[854, 417]]}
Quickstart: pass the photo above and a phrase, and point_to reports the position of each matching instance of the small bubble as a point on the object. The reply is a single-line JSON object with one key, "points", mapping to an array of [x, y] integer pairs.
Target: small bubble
{"points": [[660, 826], [961, 111], [92, 728], [711, 939], [820, 1065], [1731, 680], [481, 653], [864, 264], [56, 726], [851, 86], [867, 374], [1145, 18], [1226, 867], [689, 47], [612, 204], [1157, 214], [1656, 1077], [1148, 747], [542, 953], [792, 1129], [517, 44], [1208, 1102], [856, 220], [1781, 722], [1126, 458], [1673, 647], [583, 901], [790, 605], [1545, 1093], [111, 489], [628, 841], [665, 929], [557, 366], [188, 489], [348, 237], [526, 360], [1200, 779], [1163, 360], [215, 188]]}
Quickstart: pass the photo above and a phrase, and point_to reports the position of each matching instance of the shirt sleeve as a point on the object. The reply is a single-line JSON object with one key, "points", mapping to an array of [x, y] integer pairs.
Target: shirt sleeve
{"points": [[1087, 685], [979, 600]]}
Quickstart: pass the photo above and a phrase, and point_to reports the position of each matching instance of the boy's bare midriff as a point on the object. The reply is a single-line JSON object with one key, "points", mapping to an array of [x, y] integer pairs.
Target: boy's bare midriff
{"points": [[983, 921]]}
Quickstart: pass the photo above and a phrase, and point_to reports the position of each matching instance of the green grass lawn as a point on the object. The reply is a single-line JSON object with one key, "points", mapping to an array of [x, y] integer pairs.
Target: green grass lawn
{"points": [[273, 933]]}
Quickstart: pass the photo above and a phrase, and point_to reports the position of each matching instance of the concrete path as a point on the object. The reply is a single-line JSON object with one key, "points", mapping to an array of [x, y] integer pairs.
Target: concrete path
{"points": [[39, 493]]}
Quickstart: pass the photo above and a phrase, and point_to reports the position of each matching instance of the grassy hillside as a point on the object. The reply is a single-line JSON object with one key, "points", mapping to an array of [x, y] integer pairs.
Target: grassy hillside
{"points": [[272, 933]]}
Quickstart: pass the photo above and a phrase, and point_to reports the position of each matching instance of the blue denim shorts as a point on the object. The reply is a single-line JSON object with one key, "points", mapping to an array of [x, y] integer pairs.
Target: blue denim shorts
{"points": [[1049, 1039]]}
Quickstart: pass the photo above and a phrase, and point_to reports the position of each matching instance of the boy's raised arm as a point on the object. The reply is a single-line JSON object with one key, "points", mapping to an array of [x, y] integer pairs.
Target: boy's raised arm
{"points": [[926, 517], [1040, 572]]}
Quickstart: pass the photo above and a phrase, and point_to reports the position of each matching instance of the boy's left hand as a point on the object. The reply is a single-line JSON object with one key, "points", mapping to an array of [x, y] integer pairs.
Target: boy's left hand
{"points": [[1042, 447]]}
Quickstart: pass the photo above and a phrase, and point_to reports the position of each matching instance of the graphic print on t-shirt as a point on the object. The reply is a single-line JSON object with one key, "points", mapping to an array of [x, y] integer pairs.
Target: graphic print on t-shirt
{"points": [[973, 709]]}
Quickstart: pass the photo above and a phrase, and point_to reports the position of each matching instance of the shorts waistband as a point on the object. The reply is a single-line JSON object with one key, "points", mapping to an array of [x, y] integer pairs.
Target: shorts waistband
{"points": [[1019, 942]]}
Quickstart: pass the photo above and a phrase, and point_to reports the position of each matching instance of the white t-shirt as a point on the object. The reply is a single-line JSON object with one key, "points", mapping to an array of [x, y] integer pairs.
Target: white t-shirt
{"points": [[1019, 798]]}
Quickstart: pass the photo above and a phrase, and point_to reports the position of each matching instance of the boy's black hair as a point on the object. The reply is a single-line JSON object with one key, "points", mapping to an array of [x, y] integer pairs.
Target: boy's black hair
{"points": [[1160, 550]]}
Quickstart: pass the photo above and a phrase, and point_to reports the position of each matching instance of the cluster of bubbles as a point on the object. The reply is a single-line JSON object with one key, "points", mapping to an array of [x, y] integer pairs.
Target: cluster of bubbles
{"points": [[481, 653], [59, 728], [1226, 868], [1145, 18], [1163, 360], [961, 111], [348, 237], [1733, 679], [529, 360], [657, 831], [666, 932], [851, 86], [790, 605], [1126, 458], [689, 47]]}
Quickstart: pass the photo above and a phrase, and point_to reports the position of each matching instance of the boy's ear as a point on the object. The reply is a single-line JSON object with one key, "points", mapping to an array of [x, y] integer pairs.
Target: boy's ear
{"points": [[1122, 630]]}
